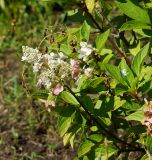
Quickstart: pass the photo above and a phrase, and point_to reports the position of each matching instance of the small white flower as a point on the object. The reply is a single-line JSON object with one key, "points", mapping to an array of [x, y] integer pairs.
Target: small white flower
{"points": [[124, 72], [83, 44], [52, 55], [62, 56], [43, 79], [80, 56], [48, 84], [87, 71], [46, 57], [31, 55], [37, 66], [85, 50], [59, 61], [39, 57], [52, 64]]}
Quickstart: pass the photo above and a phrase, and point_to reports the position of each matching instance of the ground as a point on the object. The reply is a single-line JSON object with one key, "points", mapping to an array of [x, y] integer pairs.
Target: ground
{"points": [[27, 130]]}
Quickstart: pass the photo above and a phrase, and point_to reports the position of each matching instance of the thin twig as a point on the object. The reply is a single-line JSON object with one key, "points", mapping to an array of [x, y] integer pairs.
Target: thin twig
{"points": [[120, 53]]}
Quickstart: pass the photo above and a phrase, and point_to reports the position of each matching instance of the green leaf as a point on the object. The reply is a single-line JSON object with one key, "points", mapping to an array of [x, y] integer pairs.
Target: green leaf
{"points": [[132, 10], [66, 49], [101, 40], [93, 83], [136, 116], [115, 73], [85, 31], [98, 104], [69, 98], [139, 58], [64, 111], [40, 94], [70, 135], [85, 147], [138, 129], [105, 151], [87, 102], [90, 5], [118, 102], [131, 106], [145, 157], [145, 78], [66, 138], [2, 4], [64, 124], [78, 15], [81, 81], [96, 137], [129, 77], [120, 89], [134, 24], [106, 55], [134, 51], [149, 144]]}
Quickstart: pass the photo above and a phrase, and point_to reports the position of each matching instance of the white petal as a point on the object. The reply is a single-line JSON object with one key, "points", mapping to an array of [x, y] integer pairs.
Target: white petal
{"points": [[83, 44]]}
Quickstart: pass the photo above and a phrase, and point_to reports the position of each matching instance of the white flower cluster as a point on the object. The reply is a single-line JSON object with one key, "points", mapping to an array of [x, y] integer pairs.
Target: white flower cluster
{"points": [[85, 50], [31, 55], [51, 67], [54, 68]]}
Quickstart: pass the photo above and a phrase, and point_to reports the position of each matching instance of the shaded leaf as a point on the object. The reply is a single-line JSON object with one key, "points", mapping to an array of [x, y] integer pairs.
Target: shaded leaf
{"points": [[149, 144]]}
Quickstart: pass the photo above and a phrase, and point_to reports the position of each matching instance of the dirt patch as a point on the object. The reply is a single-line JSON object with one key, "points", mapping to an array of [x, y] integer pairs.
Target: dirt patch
{"points": [[27, 130]]}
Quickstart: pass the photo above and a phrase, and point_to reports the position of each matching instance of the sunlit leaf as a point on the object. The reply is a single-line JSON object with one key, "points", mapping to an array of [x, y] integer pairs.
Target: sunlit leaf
{"points": [[101, 40], [132, 10], [90, 5], [85, 147], [139, 58], [69, 98]]}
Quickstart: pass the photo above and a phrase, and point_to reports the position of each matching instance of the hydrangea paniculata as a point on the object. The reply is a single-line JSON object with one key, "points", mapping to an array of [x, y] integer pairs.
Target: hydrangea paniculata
{"points": [[55, 69]]}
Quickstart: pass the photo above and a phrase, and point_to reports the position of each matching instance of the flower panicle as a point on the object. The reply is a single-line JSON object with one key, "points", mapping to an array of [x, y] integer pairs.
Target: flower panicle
{"points": [[55, 69]]}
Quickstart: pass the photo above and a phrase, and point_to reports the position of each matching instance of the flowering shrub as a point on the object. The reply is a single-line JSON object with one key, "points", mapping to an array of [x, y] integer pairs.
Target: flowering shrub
{"points": [[98, 79]]}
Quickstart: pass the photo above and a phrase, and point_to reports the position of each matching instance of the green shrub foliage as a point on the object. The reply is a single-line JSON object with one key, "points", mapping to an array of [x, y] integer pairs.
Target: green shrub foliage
{"points": [[97, 74]]}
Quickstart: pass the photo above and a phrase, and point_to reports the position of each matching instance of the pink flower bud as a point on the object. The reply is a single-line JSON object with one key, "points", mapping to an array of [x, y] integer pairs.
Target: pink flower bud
{"points": [[58, 89], [53, 103], [87, 71], [75, 68]]}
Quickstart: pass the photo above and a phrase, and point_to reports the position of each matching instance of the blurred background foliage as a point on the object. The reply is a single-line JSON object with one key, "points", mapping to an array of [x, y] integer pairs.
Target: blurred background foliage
{"points": [[27, 130]]}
